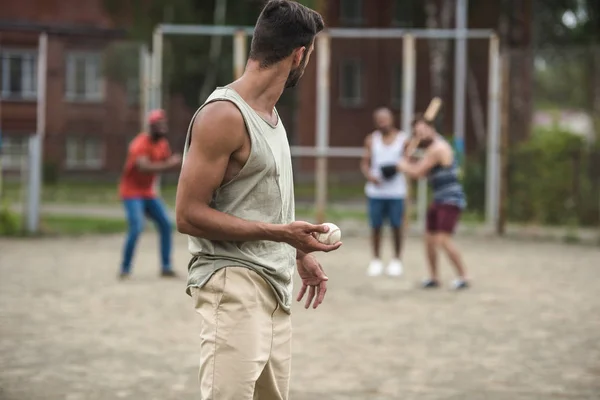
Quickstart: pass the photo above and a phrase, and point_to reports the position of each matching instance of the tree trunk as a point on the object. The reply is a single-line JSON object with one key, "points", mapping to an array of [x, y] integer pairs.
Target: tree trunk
{"points": [[477, 113], [439, 49], [595, 85], [216, 42]]}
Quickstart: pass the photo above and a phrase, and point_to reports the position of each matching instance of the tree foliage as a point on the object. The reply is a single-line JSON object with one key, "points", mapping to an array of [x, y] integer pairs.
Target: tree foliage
{"points": [[552, 17], [187, 61], [568, 55]]}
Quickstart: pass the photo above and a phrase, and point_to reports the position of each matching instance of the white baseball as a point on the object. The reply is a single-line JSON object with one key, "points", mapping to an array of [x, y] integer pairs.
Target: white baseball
{"points": [[332, 236]]}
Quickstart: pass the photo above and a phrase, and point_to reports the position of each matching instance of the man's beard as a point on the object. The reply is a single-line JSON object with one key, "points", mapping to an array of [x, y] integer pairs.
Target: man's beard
{"points": [[293, 78], [157, 135], [295, 74]]}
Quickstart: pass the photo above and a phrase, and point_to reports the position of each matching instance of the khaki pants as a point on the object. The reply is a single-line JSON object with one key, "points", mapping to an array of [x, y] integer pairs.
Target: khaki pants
{"points": [[245, 338]]}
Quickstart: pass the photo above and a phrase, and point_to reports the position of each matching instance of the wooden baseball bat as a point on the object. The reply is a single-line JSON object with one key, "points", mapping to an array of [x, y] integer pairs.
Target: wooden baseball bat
{"points": [[433, 109]]}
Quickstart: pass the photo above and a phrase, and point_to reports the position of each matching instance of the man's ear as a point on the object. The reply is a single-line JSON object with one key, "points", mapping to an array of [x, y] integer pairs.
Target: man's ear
{"points": [[298, 56]]}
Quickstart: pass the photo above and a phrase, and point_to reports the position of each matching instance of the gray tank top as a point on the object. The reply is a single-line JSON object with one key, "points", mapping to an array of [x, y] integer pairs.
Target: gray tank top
{"points": [[446, 185], [262, 191]]}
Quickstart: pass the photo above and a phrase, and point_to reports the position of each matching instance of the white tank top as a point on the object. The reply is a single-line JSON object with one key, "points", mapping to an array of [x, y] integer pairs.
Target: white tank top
{"points": [[386, 154]]}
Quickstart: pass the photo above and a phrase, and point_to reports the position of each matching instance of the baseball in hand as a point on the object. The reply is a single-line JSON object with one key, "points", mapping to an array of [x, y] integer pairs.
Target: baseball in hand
{"points": [[332, 236]]}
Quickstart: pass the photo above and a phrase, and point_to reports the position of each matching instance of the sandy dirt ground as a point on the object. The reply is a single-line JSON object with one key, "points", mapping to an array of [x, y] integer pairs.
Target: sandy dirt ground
{"points": [[528, 329]]}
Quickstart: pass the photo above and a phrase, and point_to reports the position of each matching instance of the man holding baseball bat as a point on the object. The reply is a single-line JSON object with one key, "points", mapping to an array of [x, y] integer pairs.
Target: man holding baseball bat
{"points": [[438, 164], [385, 188]]}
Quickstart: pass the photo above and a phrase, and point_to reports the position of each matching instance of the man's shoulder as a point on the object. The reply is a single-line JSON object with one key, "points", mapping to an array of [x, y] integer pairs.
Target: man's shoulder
{"points": [[141, 140], [140, 137], [371, 136], [403, 136], [220, 122], [222, 111], [439, 148]]}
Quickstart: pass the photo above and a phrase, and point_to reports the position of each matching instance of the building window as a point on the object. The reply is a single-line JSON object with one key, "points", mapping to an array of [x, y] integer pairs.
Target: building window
{"points": [[84, 77], [13, 151], [351, 12], [84, 152], [351, 88], [397, 86], [132, 90], [18, 74], [405, 13]]}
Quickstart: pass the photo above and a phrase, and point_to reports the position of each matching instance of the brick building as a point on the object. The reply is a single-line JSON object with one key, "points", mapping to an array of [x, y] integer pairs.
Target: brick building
{"points": [[86, 115], [367, 73], [90, 119]]}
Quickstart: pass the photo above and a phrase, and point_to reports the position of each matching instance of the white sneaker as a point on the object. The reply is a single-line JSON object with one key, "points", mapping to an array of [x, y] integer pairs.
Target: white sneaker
{"points": [[460, 284], [395, 268], [375, 268]]}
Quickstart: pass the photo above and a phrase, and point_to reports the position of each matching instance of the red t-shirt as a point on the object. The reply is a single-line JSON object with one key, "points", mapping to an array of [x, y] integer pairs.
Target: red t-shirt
{"points": [[135, 183]]}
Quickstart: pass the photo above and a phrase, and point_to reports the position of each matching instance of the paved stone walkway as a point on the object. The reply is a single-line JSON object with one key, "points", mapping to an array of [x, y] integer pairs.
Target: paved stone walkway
{"points": [[528, 330]]}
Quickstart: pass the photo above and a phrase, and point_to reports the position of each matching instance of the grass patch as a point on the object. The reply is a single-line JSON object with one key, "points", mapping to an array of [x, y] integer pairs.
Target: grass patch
{"points": [[107, 193], [78, 193], [332, 214], [61, 225]]}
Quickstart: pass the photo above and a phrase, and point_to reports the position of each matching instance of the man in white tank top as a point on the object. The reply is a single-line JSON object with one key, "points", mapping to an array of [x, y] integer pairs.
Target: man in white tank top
{"points": [[385, 188]]}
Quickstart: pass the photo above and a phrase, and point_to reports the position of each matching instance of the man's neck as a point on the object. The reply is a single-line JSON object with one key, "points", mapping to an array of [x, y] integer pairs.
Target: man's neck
{"points": [[389, 132], [261, 88]]}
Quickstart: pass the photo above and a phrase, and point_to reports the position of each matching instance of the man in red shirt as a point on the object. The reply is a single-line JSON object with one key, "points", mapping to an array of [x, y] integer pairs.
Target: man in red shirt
{"points": [[148, 155]]}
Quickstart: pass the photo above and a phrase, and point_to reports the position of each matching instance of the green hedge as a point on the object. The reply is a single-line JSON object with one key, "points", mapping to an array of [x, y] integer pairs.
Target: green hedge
{"points": [[553, 179], [9, 221]]}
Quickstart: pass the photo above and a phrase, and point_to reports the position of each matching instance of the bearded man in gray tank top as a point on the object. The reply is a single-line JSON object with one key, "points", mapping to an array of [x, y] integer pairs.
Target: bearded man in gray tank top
{"points": [[385, 188], [439, 165], [235, 201]]}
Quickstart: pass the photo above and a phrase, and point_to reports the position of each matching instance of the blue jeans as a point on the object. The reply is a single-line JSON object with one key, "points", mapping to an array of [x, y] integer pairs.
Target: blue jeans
{"points": [[136, 209], [381, 209]]}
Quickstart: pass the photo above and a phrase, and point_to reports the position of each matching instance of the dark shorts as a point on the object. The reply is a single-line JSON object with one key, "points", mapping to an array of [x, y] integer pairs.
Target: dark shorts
{"points": [[442, 218], [382, 209]]}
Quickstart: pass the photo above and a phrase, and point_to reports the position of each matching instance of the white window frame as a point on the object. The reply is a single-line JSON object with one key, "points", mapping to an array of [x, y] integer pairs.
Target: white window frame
{"points": [[133, 91], [28, 74], [93, 90], [13, 155], [90, 161], [357, 100], [351, 12]]}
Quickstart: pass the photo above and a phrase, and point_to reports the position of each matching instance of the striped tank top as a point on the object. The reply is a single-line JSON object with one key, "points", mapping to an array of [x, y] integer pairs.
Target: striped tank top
{"points": [[446, 186]]}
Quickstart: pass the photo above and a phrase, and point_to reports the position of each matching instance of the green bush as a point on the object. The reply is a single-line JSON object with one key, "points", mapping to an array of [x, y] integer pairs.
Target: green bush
{"points": [[553, 179], [50, 173], [473, 181], [9, 221], [550, 180]]}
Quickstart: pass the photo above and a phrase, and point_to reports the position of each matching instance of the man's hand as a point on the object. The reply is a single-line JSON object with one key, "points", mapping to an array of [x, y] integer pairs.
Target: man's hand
{"points": [[301, 235], [402, 165], [174, 160], [373, 179], [313, 278]]}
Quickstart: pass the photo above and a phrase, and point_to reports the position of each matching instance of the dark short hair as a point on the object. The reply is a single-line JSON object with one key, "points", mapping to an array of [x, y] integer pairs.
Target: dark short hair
{"points": [[420, 117], [283, 26]]}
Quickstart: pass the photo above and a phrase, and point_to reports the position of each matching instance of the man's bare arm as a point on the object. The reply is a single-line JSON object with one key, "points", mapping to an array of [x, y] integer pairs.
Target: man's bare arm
{"points": [[217, 133], [365, 161], [420, 168], [145, 165]]}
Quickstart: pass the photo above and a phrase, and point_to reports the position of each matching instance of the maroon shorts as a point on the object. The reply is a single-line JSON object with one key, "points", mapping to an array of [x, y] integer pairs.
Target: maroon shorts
{"points": [[442, 218]]}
